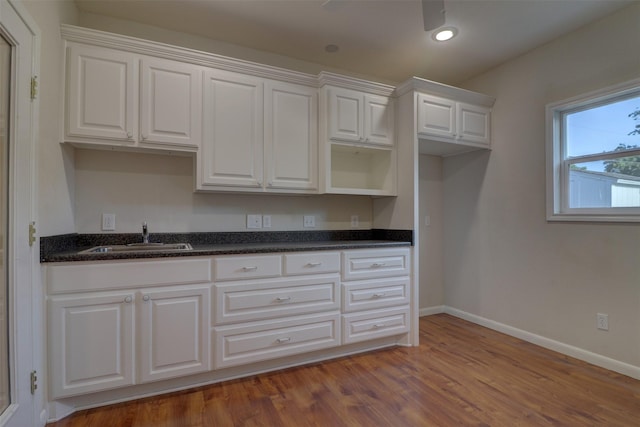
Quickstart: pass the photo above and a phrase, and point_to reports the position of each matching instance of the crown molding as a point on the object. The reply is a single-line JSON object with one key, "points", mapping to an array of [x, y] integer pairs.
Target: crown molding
{"points": [[439, 89]]}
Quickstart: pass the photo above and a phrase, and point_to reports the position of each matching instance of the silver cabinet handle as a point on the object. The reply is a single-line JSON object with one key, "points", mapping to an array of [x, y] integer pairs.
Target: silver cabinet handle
{"points": [[283, 299], [378, 326], [377, 264], [380, 295], [253, 268], [146, 298], [128, 300], [283, 340], [314, 264]]}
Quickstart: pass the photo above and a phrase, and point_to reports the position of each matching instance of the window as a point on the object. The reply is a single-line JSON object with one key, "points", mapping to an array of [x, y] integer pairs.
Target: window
{"points": [[593, 156]]}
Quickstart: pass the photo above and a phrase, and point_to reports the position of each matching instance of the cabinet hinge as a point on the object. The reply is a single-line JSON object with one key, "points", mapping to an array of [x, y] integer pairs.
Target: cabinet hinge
{"points": [[34, 382], [34, 87], [32, 233]]}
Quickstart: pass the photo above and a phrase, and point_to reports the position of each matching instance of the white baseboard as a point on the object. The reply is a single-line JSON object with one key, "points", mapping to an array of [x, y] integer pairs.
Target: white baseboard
{"points": [[566, 349], [428, 311]]}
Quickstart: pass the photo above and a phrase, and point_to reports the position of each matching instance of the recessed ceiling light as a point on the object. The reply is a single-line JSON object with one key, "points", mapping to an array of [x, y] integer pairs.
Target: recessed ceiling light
{"points": [[444, 34], [331, 48]]}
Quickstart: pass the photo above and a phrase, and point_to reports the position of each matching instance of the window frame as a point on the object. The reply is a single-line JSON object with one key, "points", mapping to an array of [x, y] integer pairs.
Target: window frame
{"points": [[558, 164]]}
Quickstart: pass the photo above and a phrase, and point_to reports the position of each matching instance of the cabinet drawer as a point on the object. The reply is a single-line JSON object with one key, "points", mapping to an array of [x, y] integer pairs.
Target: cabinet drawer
{"points": [[264, 299], [107, 275], [312, 263], [371, 264], [247, 267], [372, 324], [258, 341], [378, 293]]}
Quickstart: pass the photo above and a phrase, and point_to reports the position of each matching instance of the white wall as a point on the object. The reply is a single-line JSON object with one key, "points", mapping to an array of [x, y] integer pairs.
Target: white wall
{"points": [[55, 162], [503, 260], [430, 237], [159, 189]]}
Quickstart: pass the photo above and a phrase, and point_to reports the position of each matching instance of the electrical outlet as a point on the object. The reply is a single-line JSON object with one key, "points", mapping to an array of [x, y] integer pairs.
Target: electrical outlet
{"points": [[355, 221], [108, 222], [266, 221], [254, 221], [603, 321], [309, 221]]}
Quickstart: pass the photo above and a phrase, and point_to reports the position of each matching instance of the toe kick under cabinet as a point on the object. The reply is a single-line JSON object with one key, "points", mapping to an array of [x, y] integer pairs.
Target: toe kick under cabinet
{"points": [[114, 324]]}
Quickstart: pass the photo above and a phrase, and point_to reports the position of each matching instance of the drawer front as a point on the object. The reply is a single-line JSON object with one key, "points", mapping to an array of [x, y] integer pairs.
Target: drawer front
{"points": [[258, 341], [265, 299], [107, 275], [312, 263], [371, 264], [374, 324], [378, 293], [247, 267]]}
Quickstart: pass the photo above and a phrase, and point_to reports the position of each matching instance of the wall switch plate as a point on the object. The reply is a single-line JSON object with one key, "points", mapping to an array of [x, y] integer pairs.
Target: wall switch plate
{"points": [[309, 221], [427, 220], [603, 321], [254, 221], [355, 221], [266, 221], [108, 222]]}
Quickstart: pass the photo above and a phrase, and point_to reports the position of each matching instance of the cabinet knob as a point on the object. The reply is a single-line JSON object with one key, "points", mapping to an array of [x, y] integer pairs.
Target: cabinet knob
{"points": [[146, 298], [129, 135], [144, 137], [128, 300]]}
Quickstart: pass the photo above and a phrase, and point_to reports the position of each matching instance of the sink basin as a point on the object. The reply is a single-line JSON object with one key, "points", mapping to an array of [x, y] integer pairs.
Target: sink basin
{"points": [[139, 247]]}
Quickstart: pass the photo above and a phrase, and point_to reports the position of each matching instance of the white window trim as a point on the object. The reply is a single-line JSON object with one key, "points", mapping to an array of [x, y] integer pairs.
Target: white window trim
{"points": [[557, 168]]}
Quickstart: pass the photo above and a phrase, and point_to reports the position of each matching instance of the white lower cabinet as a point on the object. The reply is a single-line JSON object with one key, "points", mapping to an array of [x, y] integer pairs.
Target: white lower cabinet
{"points": [[257, 341], [376, 292], [115, 324], [173, 332], [91, 342]]}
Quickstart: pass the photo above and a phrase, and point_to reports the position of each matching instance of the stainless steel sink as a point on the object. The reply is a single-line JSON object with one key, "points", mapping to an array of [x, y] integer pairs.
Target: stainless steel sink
{"points": [[140, 247]]}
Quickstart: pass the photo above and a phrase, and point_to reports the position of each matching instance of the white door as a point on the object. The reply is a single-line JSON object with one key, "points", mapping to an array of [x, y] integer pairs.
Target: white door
{"points": [[173, 332], [345, 114], [436, 116], [232, 145], [92, 343], [291, 136], [21, 260], [474, 123], [378, 120], [102, 94], [171, 103]]}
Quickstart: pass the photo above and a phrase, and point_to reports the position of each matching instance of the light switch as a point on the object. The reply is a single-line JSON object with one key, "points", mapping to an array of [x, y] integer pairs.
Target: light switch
{"points": [[108, 222]]}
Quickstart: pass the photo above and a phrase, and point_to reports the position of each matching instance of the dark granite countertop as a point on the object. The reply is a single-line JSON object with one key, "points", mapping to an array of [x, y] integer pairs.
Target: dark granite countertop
{"points": [[68, 247]]}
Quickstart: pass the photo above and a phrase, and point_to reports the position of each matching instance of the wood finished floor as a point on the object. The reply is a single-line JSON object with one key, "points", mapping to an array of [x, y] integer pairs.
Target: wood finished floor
{"points": [[460, 375]]}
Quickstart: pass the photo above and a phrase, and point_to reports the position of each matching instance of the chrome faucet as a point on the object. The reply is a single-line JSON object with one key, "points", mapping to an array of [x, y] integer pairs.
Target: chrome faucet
{"points": [[145, 233]]}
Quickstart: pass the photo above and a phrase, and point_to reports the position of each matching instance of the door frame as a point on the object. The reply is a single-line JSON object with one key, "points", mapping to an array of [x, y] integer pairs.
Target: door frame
{"points": [[25, 301]]}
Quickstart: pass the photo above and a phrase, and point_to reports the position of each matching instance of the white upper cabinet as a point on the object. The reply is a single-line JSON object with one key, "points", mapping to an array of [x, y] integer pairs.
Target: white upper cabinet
{"points": [[232, 149], [359, 117], [122, 99], [259, 135], [291, 136], [171, 103], [457, 121], [101, 94]]}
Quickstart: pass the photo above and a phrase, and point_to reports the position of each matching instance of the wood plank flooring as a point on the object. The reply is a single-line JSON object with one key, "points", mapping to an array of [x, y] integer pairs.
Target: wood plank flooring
{"points": [[460, 375]]}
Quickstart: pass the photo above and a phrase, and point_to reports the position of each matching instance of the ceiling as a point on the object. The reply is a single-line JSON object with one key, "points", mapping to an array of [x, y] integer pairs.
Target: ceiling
{"points": [[384, 39]]}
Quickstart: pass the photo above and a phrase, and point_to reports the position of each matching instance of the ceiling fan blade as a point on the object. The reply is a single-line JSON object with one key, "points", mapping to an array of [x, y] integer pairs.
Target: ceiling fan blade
{"points": [[432, 14]]}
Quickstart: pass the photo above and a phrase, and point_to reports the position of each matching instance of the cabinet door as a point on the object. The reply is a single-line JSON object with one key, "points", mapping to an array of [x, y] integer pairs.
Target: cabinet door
{"points": [[231, 154], [291, 136], [171, 103], [436, 116], [345, 114], [174, 334], [378, 120], [101, 94], [474, 123], [90, 343]]}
